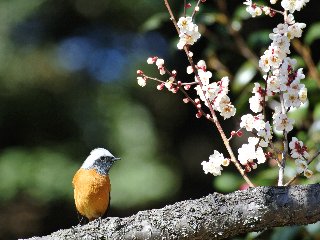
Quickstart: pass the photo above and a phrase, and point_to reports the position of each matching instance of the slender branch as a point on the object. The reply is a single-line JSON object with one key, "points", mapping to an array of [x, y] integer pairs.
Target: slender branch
{"points": [[241, 44], [194, 11], [305, 52], [172, 16], [161, 81]]}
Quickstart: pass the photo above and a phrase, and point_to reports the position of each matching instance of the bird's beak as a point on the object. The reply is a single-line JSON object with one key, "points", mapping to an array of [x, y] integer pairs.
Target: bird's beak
{"points": [[116, 159]]}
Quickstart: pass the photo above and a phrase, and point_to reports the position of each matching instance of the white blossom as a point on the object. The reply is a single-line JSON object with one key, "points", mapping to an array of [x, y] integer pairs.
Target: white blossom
{"points": [[301, 165], [255, 104], [265, 134], [213, 166], [303, 94], [247, 152], [160, 62], [295, 30], [189, 70], [250, 122], [260, 155], [298, 150], [227, 111], [185, 24], [189, 32], [293, 5], [291, 99], [141, 81], [282, 122]]}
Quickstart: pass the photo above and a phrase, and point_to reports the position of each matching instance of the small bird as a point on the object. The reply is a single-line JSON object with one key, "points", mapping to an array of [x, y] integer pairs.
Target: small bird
{"points": [[92, 186]]}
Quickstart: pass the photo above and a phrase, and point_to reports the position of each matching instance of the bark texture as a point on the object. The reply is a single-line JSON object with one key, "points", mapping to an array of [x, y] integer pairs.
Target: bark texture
{"points": [[215, 216]]}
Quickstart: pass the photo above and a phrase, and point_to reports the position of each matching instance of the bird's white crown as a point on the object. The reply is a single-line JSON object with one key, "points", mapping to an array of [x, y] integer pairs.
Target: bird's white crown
{"points": [[95, 154]]}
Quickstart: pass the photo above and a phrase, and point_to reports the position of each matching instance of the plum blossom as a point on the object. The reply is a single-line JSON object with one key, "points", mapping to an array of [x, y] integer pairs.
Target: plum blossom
{"points": [[189, 32], [249, 152], [185, 24], [252, 9], [265, 135], [250, 122], [301, 165], [214, 93], [298, 150], [213, 166], [141, 81], [282, 122], [293, 5]]}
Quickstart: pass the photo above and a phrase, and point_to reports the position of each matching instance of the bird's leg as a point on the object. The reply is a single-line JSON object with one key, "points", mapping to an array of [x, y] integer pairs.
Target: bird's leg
{"points": [[99, 221], [82, 220]]}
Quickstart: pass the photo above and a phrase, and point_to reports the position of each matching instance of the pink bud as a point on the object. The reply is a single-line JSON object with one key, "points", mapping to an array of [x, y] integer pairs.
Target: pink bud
{"points": [[160, 86], [197, 100], [199, 114], [239, 133], [139, 72], [272, 13], [187, 87], [268, 154], [186, 100], [175, 90], [188, 5], [199, 106], [254, 165], [233, 133], [174, 73]]}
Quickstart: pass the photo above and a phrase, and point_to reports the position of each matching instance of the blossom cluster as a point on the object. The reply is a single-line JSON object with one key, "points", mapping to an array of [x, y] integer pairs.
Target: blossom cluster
{"points": [[214, 93], [300, 154], [293, 5], [250, 154], [213, 166], [288, 5], [281, 79], [255, 10], [188, 32]]}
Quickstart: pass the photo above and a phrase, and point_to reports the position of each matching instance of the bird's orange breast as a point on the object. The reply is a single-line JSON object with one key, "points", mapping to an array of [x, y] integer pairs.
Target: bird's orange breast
{"points": [[91, 193]]}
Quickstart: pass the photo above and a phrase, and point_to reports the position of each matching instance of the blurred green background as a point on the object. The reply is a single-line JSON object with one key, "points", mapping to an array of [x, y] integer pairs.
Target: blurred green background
{"points": [[68, 85]]}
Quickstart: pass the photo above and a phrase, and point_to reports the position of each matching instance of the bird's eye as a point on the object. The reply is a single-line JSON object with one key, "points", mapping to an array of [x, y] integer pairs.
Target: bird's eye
{"points": [[103, 157]]}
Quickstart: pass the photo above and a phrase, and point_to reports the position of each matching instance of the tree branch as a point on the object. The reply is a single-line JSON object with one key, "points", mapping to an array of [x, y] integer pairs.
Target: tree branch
{"points": [[215, 216]]}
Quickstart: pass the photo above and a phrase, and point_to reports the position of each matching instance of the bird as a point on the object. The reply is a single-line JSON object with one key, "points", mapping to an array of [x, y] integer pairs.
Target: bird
{"points": [[92, 186]]}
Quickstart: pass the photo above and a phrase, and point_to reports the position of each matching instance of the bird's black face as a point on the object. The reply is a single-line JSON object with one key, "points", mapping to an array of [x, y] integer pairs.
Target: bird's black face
{"points": [[104, 163], [99, 159], [108, 159]]}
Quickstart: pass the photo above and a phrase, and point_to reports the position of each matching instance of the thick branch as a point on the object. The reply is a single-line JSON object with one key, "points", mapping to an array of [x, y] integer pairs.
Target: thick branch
{"points": [[215, 216]]}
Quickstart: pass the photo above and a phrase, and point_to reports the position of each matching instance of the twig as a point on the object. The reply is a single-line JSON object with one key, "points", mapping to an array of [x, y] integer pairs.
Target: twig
{"points": [[194, 11], [241, 44], [305, 52]]}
